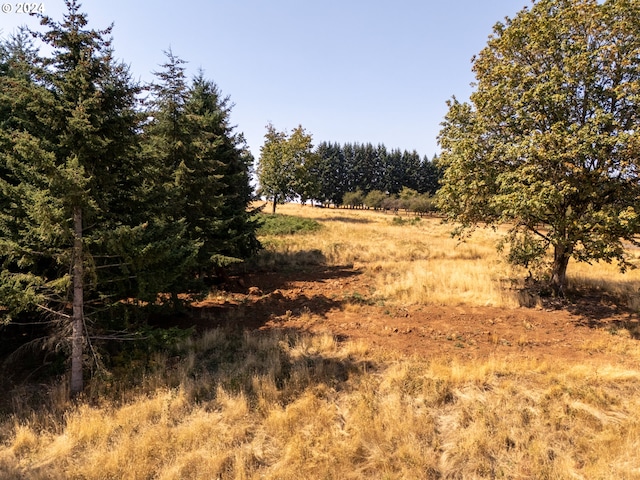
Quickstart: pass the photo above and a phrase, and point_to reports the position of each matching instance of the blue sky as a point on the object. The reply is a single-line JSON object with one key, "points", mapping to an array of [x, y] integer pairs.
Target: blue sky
{"points": [[346, 70]]}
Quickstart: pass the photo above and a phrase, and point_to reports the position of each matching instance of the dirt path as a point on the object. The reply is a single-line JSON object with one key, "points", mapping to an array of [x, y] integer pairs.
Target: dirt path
{"points": [[334, 300]]}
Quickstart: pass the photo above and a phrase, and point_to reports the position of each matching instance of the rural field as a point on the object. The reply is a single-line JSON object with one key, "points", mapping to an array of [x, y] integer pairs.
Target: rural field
{"points": [[362, 345]]}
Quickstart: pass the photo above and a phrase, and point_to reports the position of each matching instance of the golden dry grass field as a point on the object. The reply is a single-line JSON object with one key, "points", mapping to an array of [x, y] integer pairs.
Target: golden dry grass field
{"points": [[372, 348]]}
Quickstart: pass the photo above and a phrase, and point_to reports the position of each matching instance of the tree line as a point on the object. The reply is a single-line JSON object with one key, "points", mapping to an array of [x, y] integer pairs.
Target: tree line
{"points": [[113, 195], [290, 168]]}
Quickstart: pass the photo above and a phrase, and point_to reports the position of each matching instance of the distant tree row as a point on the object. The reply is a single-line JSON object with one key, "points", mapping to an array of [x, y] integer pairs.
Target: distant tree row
{"points": [[109, 200], [362, 167], [291, 169], [408, 200]]}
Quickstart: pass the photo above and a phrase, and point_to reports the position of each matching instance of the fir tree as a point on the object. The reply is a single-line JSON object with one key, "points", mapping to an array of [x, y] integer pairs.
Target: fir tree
{"points": [[215, 180], [202, 172], [74, 235], [58, 162]]}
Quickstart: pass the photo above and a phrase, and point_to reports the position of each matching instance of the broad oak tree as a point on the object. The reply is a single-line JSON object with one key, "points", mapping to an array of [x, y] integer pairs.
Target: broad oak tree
{"points": [[549, 142]]}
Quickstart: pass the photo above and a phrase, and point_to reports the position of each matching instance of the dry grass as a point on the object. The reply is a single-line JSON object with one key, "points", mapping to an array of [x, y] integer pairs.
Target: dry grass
{"points": [[419, 262], [276, 405], [291, 407], [606, 278]]}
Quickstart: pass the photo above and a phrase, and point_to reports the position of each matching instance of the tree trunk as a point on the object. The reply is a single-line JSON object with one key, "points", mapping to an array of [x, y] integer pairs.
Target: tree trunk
{"points": [[561, 256], [77, 336], [275, 201]]}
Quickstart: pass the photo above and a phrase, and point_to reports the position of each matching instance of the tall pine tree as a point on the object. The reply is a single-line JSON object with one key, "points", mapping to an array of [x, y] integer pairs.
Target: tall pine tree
{"points": [[214, 180], [74, 238], [202, 170]]}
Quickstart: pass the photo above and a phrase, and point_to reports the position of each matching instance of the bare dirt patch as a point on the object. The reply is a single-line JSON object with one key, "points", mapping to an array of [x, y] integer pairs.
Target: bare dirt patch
{"points": [[335, 300]]}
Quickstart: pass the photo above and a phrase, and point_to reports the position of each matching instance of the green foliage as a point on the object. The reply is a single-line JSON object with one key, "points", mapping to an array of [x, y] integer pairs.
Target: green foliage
{"points": [[346, 168], [101, 200], [286, 165], [67, 155], [408, 199], [353, 199], [525, 250], [356, 298], [67, 145], [423, 204], [277, 224], [399, 221], [334, 170], [203, 170], [549, 142], [375, 199], [134, 358]]}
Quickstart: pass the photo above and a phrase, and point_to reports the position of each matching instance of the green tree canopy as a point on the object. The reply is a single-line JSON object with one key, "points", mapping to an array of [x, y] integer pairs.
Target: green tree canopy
{"points": [[215, 180], [549, 141], [202, 185], [284, 165]]}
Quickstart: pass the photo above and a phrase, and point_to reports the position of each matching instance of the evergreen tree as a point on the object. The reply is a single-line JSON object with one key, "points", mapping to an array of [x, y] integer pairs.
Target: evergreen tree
{"points": [[332, 173], [382, 161], [352, 167], [393, 172], [202, 172], [166, 146], [214, 180], [427, 177], [352, 175], [67, 144], [410, 168], [100, 202]]}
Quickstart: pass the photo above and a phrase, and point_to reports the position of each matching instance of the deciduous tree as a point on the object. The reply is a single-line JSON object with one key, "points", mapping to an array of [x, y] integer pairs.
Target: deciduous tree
{"points": [[281, 169], [549, 141]]}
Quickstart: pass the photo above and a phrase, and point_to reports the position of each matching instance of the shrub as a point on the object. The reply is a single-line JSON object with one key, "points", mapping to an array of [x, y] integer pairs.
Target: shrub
{"points": [[375, 199], [353, 199]]}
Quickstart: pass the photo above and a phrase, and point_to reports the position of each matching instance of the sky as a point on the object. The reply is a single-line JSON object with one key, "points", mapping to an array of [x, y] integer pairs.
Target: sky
{"points": [[358, 71]]}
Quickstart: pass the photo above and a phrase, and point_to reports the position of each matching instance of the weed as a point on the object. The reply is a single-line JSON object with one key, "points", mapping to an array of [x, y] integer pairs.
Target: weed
{"points": [[356, 298], [399, 221]]}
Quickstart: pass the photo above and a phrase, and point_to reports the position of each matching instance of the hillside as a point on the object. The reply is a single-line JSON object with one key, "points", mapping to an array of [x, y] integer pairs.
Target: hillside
{"points": [[371, 347]]}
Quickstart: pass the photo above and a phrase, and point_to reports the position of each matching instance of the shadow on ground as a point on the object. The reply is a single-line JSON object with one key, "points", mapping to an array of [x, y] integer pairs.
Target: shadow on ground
{"points": [[251, 299], [590, 307]]}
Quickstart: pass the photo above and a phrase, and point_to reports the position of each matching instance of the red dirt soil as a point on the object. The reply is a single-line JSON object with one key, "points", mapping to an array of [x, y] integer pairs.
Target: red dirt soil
{"points": [[330, 300]]}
